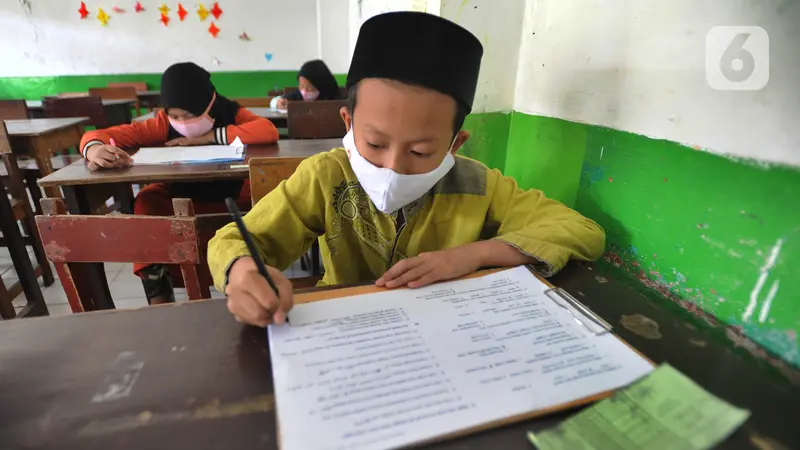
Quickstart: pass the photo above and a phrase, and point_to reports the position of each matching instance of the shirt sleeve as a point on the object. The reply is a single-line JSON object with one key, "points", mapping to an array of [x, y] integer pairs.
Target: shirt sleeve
{"points": [[541, 228], [147, 133], [283, 225], [249, 128]]}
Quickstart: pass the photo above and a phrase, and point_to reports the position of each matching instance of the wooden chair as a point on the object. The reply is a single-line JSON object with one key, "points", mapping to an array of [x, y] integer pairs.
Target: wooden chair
{"points": [[13, 110], [87, 106], [316, 120], [121, 238], [275, 92], [15, 209], [118, 93], [265, 175], [253, 102]]}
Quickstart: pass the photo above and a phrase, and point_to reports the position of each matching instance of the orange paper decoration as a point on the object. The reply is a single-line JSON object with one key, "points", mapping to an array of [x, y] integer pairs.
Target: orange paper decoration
{"points": [[216, 11], [181, 12], [213, 30], [83, 11], [164, 19], [202, 12]]}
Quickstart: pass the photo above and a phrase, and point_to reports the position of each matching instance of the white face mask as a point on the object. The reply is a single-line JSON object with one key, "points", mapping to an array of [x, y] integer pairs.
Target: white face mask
{"points": [[387, 189]]}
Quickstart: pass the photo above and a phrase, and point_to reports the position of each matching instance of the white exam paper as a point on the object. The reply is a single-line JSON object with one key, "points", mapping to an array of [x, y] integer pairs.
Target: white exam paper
{"points": [[195, 154], [389, 369]]}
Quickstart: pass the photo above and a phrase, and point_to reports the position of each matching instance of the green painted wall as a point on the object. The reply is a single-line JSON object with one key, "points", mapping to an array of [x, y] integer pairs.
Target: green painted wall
{"points": [[693, 227], [230, 84], [700, 229], [488, 139]]}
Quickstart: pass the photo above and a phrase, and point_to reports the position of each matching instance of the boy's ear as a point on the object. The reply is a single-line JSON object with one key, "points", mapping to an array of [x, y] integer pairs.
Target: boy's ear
{"points": [[461, 138], [348, 121]]}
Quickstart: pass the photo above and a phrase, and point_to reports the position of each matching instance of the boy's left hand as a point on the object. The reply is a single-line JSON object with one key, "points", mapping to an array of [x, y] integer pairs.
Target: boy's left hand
{"points": [[431, 267]]}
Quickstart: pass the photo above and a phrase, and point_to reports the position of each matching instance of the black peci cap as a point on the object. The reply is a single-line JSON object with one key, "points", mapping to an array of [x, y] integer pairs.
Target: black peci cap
{"points": [[418, 48]]}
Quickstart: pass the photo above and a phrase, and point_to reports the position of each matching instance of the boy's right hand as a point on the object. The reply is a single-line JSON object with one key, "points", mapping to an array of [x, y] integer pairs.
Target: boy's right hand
{"points": [[107, 157], [251, 299], [282, 103]]}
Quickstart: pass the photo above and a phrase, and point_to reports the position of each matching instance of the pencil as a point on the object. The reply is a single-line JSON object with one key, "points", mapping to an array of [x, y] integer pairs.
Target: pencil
{"points": [[251, 247]]}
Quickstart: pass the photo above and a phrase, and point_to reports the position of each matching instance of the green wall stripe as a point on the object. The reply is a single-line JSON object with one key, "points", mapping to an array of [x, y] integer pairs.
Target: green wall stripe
{"points": [[230, 84]]}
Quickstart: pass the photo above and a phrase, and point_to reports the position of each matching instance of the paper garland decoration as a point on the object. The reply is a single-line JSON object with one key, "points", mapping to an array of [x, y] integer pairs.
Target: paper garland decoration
{"points": [[164, 19], [102, 16], [244, 36], [138, 8], [216, 11], [164, 9], [83, 11], [202, 12], [268, 56], [181, 12], [213, 30], [118, 10]]}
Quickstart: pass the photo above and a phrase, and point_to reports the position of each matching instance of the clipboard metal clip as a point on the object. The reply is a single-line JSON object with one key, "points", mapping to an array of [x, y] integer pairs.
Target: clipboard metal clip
{"points": [[591, 321]]}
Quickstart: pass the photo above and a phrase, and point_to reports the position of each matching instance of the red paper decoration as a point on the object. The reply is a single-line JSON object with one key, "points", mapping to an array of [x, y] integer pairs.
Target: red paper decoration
{"points": [[83, 11], [181, 12], [118, 10], [244, 36], [213, 30], [164, 19], [216, 11], [138, 8]]}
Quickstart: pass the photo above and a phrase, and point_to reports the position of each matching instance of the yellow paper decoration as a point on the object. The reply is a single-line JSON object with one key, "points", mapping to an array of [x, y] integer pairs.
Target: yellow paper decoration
{"points": [[102, 16], [202, 12], [164, 8]]}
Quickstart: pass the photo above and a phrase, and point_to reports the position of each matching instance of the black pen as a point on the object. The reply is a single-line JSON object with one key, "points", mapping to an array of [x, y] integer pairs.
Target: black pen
{"points": [[251, 247]]}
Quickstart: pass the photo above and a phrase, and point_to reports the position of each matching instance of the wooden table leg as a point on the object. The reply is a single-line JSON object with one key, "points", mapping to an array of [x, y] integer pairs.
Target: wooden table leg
{"points": [[22, 262], [90, 278]]}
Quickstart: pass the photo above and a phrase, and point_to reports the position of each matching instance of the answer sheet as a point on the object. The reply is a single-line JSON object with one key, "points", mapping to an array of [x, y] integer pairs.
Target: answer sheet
{"points": [[388, 369], [192, 154]]}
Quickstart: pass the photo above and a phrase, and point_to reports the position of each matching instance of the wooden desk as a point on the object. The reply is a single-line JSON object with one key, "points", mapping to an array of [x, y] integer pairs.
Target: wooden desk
{"points": [[204, 381], [118, 112], [41, 138], [84, 191], [273, 114], [149, 99]]}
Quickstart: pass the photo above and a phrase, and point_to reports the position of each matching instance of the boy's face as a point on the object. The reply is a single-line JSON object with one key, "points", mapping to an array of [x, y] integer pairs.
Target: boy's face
{"points": [[407, 129]]}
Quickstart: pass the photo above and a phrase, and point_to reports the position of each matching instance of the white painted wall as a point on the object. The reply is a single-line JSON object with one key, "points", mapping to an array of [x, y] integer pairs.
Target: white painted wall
{"points": [[361, 10], [498, 25], [53, 40], [639, 66]]}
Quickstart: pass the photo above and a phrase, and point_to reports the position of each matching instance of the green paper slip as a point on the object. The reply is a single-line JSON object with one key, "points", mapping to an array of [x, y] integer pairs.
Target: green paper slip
{"points": [[665, 410]]}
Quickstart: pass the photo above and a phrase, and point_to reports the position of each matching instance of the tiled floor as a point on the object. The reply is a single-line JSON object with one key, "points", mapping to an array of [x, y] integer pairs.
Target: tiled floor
{"points": [[126, 288]]}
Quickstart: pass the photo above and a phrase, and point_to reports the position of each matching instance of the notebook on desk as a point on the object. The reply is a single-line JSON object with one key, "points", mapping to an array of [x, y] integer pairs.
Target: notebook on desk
{"points": [[394, 368], [190, 154]]}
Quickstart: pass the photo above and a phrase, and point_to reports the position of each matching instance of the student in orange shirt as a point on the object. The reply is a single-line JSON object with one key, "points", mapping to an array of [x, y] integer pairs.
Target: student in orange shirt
{"points": [[194, 114], [314, 82]]}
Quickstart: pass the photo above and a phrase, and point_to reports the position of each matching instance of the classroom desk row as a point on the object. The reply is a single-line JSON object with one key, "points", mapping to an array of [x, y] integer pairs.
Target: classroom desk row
{"points": [[147, 99], [85, 191], [188, 376]]}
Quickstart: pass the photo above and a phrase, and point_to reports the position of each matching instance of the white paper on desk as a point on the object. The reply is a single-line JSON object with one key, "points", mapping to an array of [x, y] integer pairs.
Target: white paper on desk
{"points": [[187, 155], [389, 369]]}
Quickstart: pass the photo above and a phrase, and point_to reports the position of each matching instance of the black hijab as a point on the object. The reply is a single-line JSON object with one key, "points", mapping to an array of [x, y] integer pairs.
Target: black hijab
{"points": [[188, 86], [321, 77]]}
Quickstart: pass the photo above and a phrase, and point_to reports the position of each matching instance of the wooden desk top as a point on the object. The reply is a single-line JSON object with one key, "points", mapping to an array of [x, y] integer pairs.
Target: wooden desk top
{"points": [[189, 376], [268, 113], [38, 127], [78, 174], [37, 104]]}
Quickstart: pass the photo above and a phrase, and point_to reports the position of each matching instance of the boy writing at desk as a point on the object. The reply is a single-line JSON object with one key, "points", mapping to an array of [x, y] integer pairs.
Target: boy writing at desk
{"points": [[396, 204]]}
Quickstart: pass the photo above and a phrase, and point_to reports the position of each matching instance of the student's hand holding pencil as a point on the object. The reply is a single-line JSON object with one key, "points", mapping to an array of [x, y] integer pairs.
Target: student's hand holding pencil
{"points": [[251, 299], [107, 156]]}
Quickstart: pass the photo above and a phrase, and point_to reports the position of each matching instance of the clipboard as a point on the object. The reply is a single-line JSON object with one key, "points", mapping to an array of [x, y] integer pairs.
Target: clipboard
{"points": [[589, 320]]}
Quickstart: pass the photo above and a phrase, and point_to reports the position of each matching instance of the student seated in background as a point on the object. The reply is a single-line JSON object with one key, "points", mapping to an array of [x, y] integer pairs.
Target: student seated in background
{"points": [[194, 114], [397, 204], [315, 82]]}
